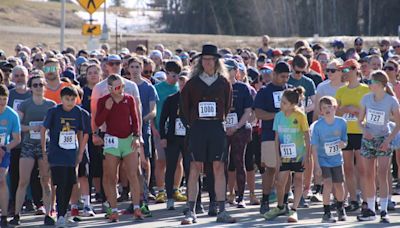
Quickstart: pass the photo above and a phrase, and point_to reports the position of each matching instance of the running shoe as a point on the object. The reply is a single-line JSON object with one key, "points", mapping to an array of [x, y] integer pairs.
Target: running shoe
{"points": [[328, 218], [274, 212], [161, 197], [292, 217], [224, 217]]}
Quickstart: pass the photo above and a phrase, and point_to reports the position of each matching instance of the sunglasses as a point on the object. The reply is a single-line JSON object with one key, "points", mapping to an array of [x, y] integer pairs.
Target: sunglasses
{"points": [[119, 87], [370, 82], [39, 60], [347, 69], [36, 85], [358, 44], [266, 71], [147, 72], [388, 68], [299, 72], [114, 63], [396, 46], [331, 70], [48, 69]]}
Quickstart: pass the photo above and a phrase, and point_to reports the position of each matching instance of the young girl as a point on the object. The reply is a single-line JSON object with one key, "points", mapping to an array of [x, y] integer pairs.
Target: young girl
{"points": [[376, 109], [292, 139]]}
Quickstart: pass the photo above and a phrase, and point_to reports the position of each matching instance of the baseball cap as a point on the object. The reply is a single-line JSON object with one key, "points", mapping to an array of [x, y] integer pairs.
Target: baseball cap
{"points": [[358, 40], [242, 67], [80, 60], [231, 64], [115, 58], [156, 53], [282, 67], [384, 41], [160, 76], [338, 44], [277, 52], [350, 63], [2, 53], [125, 51], [71, 76], [252, 73], [4, 64]]}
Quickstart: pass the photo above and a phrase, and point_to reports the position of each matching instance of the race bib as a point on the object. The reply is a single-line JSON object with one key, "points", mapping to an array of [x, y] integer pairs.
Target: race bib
{"points": [[67, 140], [2, 139], [110, 142], [349, 117], [288, 150], [332, 148], [180, 130], [231, 120], [16, 104], [277, 98], [207, 109], [35, 134], [375, 117]]}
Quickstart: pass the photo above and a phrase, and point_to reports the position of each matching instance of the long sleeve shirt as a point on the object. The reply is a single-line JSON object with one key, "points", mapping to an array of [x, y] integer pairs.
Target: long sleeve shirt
{"points": [[121, 120], [196, 91], [170, 112]]}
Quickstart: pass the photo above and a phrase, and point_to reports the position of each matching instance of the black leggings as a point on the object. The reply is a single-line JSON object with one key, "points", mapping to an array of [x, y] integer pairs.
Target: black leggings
{"points": [[14, 172], [175, 147], [253, 153], [64, 178]]}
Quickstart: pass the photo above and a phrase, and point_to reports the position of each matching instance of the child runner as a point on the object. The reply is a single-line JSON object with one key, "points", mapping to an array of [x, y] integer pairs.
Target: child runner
{"points": [[329, 137], [65, 150], [292, 140], [9, 126], [377, 107]]}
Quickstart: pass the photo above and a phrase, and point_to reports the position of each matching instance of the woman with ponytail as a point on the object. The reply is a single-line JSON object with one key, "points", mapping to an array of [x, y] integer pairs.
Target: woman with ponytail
{"points": [[376, 110]]}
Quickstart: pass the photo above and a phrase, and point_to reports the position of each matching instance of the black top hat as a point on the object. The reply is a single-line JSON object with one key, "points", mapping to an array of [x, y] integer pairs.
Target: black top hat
{"points": [[210, 49]]}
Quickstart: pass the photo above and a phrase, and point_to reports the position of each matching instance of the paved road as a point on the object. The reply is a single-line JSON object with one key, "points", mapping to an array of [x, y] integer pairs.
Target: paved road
{"points": [[249, 217]]}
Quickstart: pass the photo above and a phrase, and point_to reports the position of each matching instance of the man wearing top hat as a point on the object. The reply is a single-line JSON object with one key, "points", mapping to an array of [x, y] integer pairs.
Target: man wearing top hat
{"points": [[205, 102]]}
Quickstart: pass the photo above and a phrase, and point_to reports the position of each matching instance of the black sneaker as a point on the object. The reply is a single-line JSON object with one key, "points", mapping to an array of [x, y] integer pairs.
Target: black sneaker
{"points": [[341, 213], [123, 197], [353, 206], [328, 218], [49, 221], [366, 215], [15, 221], [3, 222], [99, 198], [384, 217], [264, 208], [303, 203]]}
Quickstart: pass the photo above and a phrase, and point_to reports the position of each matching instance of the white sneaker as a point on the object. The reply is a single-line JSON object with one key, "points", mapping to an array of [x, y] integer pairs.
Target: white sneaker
{"points": [[61, 222], [71, 223], [88, 212]]}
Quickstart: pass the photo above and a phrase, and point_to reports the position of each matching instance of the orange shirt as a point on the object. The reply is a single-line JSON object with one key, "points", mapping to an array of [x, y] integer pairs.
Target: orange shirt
{"points": [[316, 66], [54, 95]]}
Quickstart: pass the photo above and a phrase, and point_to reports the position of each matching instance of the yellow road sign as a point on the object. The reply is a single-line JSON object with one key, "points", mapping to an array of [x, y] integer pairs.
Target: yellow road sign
{"points": [[91, 29], [91, 5]]}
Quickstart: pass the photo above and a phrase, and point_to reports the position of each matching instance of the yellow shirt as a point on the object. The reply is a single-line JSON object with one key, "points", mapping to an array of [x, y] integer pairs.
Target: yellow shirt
{"points": [[346, 96]]}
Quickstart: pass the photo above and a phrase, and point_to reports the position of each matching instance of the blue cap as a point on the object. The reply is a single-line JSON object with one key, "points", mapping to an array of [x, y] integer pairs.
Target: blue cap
{"points": [[338, 44], [231, 64], [114, 58], [242, 67], [80, 60]]}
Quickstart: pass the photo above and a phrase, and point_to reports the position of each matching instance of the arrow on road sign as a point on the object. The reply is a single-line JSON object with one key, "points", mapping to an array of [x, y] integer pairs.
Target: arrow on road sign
{"points": [[91, 30], [91, 5]]}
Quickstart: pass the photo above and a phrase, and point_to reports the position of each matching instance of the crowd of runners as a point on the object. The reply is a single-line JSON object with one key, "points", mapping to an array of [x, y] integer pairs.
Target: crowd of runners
{"points": [[320, 124]]}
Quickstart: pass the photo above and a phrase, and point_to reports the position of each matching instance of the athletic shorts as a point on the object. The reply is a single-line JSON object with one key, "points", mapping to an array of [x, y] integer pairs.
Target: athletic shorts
{"points": [[31, 150], [268, 154], [159, 150], [63, 174], [83, 169], [124, 148], [369, 148], [207, 141], [5, 161], [147, 145], [353, 142], [296, 167], [334, 173]]}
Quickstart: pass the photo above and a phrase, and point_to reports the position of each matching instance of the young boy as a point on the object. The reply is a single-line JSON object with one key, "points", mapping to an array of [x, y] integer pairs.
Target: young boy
{"points": [[329, 137], [9, 126], [66, 125]]}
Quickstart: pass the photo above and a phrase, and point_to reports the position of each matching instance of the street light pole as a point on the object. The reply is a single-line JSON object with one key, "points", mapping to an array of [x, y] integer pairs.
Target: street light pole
{"points": [[104, 35], [62, 25]]}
